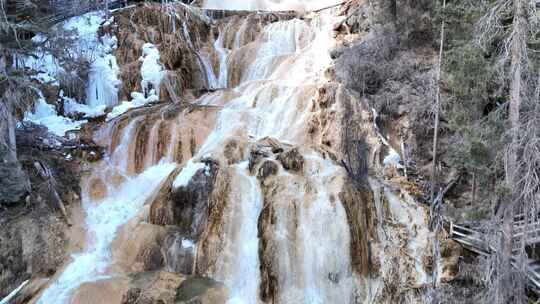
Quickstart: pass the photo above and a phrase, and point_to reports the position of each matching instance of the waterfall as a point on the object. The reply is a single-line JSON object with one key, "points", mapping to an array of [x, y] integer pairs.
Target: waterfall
{"points": [[223, 53], [238, 266], [274, 97], [325, 232], [271, 103], [103, 219], [271, 5]]}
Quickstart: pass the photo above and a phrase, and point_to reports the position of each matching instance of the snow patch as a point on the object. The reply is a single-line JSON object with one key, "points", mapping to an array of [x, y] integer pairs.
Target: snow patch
{"points": [[393, 159], [151, 70], [138, 101], [46, 115], [72, 107], [103, 82]]}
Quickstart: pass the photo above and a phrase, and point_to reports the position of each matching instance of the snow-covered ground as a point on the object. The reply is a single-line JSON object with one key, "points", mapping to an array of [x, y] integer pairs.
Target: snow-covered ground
{"points": [[103, 82], [45, 114], [103, 77]]}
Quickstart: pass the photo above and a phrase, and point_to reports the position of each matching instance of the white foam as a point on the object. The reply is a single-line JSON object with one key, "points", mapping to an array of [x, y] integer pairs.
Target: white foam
{"points": [[272, 5], [102, 221], [239, 262]]}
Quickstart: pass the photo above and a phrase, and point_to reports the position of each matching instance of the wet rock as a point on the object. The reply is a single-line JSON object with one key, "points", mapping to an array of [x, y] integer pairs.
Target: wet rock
{"points": [[152, 288], [190, 204], [179, 253], [200, 291], [162, 287], [234, 151], [211, 242], [362, 217], [292, 160], [178, 53], [108, 290], [269, 286], [186, 207], [255, 157], [266, 169]]}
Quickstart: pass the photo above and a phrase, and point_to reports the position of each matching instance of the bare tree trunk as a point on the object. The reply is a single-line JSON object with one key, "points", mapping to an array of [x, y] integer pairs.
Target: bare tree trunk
{"points": [[14, 183], [436, 202], [437, 110], [107, 9], [518, 49], [473, 187]]}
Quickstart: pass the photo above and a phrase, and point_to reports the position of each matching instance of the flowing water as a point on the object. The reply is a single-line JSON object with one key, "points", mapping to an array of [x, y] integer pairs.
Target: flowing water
{"points": [[275, 86], [238, 265]]}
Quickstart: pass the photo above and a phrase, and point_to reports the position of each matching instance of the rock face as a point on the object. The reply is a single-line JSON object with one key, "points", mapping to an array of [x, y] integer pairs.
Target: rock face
{"points": [[165, 287], [191, 203], [34, 238]]}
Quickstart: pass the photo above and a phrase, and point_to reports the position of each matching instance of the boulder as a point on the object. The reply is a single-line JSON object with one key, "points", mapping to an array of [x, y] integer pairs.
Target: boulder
{"points": [[292, 160], [170, 288]]}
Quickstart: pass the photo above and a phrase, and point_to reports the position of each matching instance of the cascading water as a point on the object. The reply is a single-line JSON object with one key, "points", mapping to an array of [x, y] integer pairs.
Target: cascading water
{"points": [[103, 219], [274, 98], [238, 266], [105, 216], [271, 5], [272, 102]]}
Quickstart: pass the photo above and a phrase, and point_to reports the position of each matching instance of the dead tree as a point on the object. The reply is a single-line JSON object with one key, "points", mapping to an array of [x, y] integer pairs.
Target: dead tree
{"points": [[46, 174], [508, 282], [518, 55], [437, 110]]}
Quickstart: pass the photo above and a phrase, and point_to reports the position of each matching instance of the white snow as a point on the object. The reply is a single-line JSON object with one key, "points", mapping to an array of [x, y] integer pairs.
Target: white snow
{"points": [[151, 73], [46, 115], [151, 70], [103, 82], [71, 107], [138, 101], [187, 173], [393, 159], [186, 243]]}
